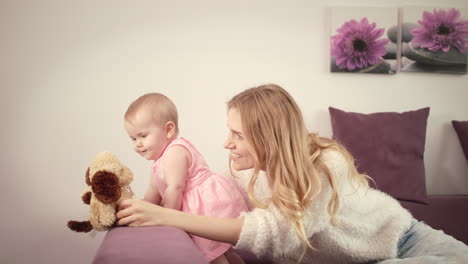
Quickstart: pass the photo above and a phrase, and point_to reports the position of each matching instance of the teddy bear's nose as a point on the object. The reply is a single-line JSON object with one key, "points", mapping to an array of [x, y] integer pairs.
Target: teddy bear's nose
{"points": [[106, 187]]}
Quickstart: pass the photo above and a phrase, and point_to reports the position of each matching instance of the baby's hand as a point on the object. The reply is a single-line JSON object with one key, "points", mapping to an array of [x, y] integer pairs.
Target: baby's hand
{"points": [[156, 202]]}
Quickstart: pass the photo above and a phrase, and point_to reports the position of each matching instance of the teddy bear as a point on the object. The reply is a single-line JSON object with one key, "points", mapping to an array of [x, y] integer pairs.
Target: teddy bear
{"points": [[108, 183]]}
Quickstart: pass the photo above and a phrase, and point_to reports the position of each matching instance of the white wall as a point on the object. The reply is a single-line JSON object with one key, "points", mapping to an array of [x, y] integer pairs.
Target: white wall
{"points": [[69, 69]]}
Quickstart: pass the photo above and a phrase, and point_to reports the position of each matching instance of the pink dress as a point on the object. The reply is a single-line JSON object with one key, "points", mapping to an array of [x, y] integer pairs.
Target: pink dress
{"points": [[206, 193]]}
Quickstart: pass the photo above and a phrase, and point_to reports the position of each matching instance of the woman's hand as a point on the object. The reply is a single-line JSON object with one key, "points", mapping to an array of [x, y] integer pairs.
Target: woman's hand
{"points": [[136, 212]]}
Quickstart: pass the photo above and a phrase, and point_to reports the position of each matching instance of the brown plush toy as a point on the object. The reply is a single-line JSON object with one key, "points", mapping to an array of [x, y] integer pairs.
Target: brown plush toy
{"points": [[109, 183]]}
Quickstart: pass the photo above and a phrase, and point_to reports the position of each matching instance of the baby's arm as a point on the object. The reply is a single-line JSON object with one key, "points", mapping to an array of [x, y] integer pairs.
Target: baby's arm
{"points": [[152, 194], [176, 163]]}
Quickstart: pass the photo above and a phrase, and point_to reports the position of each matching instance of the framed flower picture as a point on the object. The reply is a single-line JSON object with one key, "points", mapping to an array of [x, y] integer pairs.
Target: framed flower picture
{"points": [[363, 39], [434, 40]]}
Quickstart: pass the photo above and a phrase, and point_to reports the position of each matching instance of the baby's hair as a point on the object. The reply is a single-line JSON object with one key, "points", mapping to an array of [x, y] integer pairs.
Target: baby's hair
{"points": [[161, 107]]}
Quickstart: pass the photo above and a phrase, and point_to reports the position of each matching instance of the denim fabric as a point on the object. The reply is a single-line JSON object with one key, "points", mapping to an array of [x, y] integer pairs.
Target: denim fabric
{"points": [[422, 244]]}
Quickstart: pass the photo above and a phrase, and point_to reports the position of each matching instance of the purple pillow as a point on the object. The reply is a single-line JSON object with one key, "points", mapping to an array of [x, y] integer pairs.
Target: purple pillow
{"points": [[461, 127], [387, 146], [152, 244]]}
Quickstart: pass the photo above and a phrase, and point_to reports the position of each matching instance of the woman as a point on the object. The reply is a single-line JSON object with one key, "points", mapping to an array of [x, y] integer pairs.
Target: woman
{"points": [[308, 202]]}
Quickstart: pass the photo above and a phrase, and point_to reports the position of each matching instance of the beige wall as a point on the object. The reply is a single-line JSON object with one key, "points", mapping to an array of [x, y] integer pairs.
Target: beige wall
{"points": [[70, 68]]}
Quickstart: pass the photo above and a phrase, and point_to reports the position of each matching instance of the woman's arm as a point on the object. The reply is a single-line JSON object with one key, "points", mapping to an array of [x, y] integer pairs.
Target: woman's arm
{"points": [[135, 212]]}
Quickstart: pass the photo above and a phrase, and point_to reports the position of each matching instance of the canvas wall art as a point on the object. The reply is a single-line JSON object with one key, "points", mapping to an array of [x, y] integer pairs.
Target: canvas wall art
{"points": [[363, 39], [434, 40]]}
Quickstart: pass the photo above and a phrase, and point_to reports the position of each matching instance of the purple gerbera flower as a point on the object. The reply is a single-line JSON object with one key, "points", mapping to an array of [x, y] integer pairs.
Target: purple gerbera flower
{"points": [[441, 30], [357, 45]]}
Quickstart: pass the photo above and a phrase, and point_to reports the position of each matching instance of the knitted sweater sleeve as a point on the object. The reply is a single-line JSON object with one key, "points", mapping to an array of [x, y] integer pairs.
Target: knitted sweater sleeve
{"points": [[267, 233]]}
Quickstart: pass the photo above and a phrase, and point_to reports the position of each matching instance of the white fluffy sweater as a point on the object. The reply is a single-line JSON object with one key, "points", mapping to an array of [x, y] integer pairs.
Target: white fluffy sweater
{"points": [[369, 223]]}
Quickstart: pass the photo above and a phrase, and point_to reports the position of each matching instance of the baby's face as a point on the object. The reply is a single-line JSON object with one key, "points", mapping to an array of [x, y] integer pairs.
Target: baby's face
{"points": [[149, 139]]}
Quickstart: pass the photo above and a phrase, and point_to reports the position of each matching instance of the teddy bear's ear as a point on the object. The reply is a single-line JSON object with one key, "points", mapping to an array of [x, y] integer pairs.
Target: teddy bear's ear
{"points": [[126, 176], [106, 187], [88, 181], [86, 197]]}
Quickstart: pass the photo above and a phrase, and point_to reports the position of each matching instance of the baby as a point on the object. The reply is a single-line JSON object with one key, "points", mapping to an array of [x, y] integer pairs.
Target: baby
{"points": [[180, 177]]}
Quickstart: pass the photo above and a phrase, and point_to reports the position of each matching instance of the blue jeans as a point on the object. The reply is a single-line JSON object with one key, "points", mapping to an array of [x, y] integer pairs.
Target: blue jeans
{"points": [[422, 244]]}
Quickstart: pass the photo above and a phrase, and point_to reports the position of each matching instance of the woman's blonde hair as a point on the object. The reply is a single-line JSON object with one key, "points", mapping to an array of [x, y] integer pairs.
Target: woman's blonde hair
{"points": [[291, 156], [162, 109]]}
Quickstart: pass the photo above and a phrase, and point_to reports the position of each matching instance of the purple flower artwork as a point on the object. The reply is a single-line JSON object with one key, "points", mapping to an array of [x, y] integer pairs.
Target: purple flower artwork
{"points": [[437, 43], [441, 30], [359, 42], [358, 45]]}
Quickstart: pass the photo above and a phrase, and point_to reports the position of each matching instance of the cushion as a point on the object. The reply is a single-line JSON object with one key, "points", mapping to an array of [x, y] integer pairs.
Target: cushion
{"points": [[461, 127], [143, 245], [387, 146]]}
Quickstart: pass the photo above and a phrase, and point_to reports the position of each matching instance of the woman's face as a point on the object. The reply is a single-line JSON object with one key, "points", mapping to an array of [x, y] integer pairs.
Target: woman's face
{"points": [[237, 143]]}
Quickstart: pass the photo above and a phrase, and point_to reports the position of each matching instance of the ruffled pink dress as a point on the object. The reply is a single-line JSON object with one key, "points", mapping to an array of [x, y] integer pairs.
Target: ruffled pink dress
{"points": [[206, 193]]}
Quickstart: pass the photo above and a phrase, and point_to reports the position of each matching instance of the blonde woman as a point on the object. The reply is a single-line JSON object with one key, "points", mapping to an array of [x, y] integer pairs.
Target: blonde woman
{"points": [[308, 203]]}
